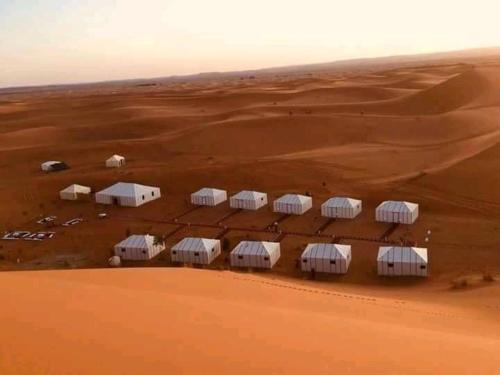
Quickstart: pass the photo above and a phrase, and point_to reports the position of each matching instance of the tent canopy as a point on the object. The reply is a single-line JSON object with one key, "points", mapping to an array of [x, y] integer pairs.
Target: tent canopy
{"points": [[77, 189]]}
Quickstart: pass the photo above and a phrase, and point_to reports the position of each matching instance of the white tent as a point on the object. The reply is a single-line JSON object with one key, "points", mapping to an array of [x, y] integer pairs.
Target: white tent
{"points": [[74, 191], [138, 247], [115, 161], [257, 254], [196, 250], [53, 166], [248, 200], [326, 257], [294, 204], [402, 261], [208, 197], [341, 207], [397, 212], [127, 194]]}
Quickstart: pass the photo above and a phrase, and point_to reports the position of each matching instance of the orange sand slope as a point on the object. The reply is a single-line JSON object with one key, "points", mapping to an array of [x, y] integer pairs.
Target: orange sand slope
{"points": [[190, 321]]}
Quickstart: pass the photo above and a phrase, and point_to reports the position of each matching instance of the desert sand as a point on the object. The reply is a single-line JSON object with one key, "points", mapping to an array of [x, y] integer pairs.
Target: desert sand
{"points": [[425, 133], [133, 321]]}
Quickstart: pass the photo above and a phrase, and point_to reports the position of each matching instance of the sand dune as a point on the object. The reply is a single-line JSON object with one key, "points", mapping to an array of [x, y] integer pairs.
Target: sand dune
{"points": [[186, 321]]}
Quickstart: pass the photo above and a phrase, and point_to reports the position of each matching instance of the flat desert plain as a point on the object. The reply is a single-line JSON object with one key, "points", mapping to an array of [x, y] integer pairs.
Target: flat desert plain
{"points": [[427, 134]]}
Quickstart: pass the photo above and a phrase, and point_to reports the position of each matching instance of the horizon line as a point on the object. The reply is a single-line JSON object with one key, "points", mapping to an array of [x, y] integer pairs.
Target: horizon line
{"points": [[256, 70]]}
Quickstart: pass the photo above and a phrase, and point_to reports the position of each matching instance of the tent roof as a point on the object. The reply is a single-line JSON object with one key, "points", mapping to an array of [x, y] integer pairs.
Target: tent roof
{"points": [[404, 254], [326, 251], [255, 248], [397, 206], [116, 157], [248, 195], [136, 241], [126, 189], [196, 243], [293, 199], [50, 162], [75, 188], [211, 192], [342, 202]]}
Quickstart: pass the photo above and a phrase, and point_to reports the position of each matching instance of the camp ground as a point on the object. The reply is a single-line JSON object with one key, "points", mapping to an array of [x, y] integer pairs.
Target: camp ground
{"points": [[201, 231]]}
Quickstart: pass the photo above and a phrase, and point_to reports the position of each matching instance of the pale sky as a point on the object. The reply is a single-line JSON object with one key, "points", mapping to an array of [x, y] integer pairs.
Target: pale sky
{"points": [[63, 41]]}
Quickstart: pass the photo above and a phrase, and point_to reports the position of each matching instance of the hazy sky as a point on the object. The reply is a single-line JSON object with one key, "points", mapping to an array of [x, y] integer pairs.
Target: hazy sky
{"points": [[56, 41]]}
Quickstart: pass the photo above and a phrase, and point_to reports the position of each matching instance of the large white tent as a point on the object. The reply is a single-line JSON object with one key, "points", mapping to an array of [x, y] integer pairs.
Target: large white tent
{"points": [[248, 200], [402, 261], [208, 197], [196, 250], [326, 257], [397, 212], [341, 207], [127, 194], [115, 161], [74, 192], [139, 247], [257, 254], [292, 204]]}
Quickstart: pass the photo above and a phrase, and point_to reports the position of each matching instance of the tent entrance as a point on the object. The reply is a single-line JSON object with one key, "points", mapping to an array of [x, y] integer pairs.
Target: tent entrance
{"points": [[115, 201]]}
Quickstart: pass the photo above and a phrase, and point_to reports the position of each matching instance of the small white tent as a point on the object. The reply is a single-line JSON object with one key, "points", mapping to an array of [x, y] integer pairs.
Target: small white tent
{"points": [[139, 247], [115, 161], [248, 200], [208, 197], [53, 166], [292, 204], [397, 212], [326, 257], [196, 250], [257, 254], [402, 261], [341, 207], [127, 194], [74, 192]]}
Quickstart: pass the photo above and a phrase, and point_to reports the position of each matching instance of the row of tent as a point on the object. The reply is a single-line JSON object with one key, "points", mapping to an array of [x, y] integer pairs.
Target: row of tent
{"points": [[114, 161], [297, 204], [317, 257], [134, 195]]}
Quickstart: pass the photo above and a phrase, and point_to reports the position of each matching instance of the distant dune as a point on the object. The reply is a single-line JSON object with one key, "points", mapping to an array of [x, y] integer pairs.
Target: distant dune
{"points": [[474, 55], [191, 322]]}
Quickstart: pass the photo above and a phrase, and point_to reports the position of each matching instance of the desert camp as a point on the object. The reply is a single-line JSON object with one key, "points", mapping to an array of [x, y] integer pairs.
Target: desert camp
{"points": [[257, 188]]}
